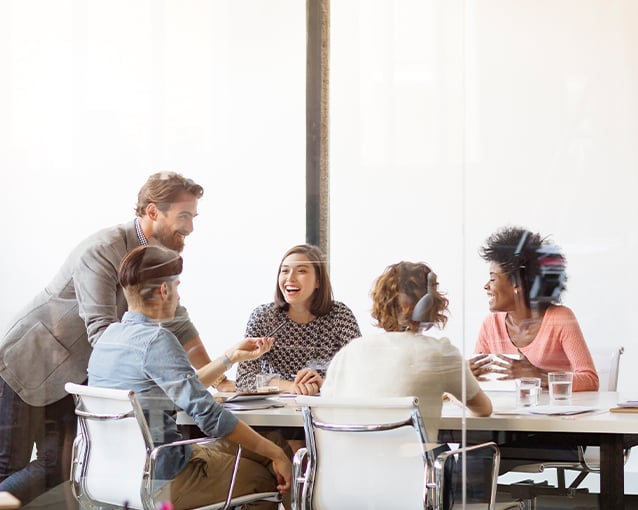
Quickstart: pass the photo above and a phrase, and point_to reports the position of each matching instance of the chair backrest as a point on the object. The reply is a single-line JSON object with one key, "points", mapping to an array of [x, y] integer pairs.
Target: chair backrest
{"points": [[112, 451], [607, 363], [364, 453]]}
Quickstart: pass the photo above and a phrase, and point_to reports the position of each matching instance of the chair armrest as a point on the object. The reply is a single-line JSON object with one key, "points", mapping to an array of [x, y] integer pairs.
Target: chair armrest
{"points": [[591, 465], [199, 440], [77, 461], [439, 470], [299, 477], [152, 455], [202, 440]]}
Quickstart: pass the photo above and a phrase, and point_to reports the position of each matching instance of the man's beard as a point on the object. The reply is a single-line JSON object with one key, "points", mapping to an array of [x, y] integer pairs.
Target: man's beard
{"points": [[170, 240]]}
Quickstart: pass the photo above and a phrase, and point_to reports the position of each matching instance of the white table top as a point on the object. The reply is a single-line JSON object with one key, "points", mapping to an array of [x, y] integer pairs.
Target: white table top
{"points": [[599, 421], [453, 417]]}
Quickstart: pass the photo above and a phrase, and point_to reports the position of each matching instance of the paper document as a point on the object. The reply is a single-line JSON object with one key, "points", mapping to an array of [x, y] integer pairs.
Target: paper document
{"points": [[250, 405], [249, 395], [628, 403], [549, 410]]}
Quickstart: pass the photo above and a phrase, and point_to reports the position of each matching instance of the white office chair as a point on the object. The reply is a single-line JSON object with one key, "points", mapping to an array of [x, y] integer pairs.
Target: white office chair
{"points": [[373, 454], [607, 365], [114, 456]]}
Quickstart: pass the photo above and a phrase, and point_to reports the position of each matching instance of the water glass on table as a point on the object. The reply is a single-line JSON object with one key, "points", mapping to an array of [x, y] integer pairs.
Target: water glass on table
{"points": [[527, 391], [560, 385], [267, 382]]}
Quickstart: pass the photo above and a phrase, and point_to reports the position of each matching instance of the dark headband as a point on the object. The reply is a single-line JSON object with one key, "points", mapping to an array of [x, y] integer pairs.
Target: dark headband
{"points": [[171, 267]]}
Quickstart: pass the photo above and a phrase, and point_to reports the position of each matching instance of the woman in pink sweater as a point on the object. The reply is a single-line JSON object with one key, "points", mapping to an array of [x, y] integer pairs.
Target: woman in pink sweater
{"points": [[529, 334]]}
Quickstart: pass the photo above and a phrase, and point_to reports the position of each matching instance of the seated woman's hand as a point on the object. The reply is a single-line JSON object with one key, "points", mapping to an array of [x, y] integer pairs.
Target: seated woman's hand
{"points": [[480, 365], [307, 382], [308, 375], [512, 368]]}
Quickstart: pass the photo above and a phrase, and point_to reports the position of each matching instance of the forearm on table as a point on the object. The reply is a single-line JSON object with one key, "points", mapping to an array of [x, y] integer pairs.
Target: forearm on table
{"points": [[586, 381], [286, 386], [480, 404]]}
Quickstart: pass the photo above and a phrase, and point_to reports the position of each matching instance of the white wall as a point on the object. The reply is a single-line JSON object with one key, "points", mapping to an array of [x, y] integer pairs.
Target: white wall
{"points": [[96, 96], [451, 119], [448, 120]]}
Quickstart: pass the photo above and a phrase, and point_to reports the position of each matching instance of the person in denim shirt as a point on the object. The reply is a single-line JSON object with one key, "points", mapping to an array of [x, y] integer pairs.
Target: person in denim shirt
{"points": [[139, 354], [49, 341]]}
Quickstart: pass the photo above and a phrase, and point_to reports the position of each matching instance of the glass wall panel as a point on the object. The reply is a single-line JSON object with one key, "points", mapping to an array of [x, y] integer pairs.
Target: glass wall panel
{"points": [[452, 119], [96, 96]]}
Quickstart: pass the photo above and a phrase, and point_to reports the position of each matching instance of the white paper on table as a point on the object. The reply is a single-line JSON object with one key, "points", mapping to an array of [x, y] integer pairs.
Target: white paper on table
{"points": [[248, 395], [550, 410], [250, 405], [628, 403]]}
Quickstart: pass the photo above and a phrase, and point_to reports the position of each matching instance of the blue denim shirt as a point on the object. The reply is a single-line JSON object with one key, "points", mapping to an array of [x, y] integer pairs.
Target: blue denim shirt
{"points": [[139, 354]]}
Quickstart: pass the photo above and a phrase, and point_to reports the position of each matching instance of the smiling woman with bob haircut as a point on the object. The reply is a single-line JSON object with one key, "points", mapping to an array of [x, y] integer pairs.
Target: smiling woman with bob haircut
{"points": [[311, 326]]}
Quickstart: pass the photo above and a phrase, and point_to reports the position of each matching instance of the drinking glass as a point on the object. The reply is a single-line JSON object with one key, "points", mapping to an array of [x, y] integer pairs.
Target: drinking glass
{"points": [[267, 382], [527, 391], [560, 385]]}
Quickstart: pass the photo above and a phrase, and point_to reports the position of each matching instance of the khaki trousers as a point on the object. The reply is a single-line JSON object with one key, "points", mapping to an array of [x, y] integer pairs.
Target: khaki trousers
{"points": [[206, 477]]}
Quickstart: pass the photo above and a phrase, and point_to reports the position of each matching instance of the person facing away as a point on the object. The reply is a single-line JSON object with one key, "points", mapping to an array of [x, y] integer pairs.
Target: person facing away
{"points": [[526, 279], [140, 354], [404, 360], [313, 325], [49, 341]]}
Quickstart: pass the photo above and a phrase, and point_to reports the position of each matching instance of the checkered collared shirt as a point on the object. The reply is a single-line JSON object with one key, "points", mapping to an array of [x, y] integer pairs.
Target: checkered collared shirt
{"points": [[140, 234]]}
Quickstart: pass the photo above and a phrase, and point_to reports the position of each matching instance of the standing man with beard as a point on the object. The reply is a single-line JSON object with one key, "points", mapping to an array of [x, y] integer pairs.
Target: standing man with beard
{"points": [[50, 341]]}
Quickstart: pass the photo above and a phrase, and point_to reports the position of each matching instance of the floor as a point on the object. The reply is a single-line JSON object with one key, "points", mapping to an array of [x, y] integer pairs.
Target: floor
{"points": [[60, 498]]}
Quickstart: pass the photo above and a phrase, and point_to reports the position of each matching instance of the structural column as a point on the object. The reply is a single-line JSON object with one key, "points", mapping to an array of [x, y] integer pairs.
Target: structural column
{"points": [[317, 74]]}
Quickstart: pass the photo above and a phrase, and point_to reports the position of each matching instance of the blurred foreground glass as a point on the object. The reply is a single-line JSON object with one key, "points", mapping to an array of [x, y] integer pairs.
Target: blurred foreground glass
{"points": [[527, 391], [267, 382]]}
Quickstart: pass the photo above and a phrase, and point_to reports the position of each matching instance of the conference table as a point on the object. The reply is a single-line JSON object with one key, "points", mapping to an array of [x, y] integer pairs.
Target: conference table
{"points": [[613, 432]]}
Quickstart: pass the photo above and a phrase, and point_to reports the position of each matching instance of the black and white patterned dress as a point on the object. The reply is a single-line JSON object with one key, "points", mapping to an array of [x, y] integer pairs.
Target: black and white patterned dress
{"points": [[296, 346]]}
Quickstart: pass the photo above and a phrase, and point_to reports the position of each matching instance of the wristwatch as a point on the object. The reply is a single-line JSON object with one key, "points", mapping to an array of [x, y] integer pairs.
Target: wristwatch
{"points": [[226, 361], [219, 380]]}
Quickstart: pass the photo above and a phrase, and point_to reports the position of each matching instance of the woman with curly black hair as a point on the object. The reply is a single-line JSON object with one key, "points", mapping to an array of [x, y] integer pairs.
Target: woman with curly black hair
{"points": [[528, 332]]}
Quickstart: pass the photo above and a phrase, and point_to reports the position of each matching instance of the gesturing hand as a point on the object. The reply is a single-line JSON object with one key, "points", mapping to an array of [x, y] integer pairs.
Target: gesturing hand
{"points": [[480, 366], [510, 368], [505, 367], [250, 348]]}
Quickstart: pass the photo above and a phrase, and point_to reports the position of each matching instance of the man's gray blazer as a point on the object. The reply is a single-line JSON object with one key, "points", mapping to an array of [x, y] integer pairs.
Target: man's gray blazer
{"points": [[49, 342]]}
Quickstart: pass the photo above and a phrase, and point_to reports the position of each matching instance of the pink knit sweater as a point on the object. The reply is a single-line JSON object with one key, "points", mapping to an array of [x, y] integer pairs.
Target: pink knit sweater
{"points": [[559, 345]]}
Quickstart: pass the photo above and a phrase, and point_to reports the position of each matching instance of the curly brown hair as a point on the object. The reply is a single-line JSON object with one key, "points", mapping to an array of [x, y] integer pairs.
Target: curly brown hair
{"points": [[397, 291]]}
